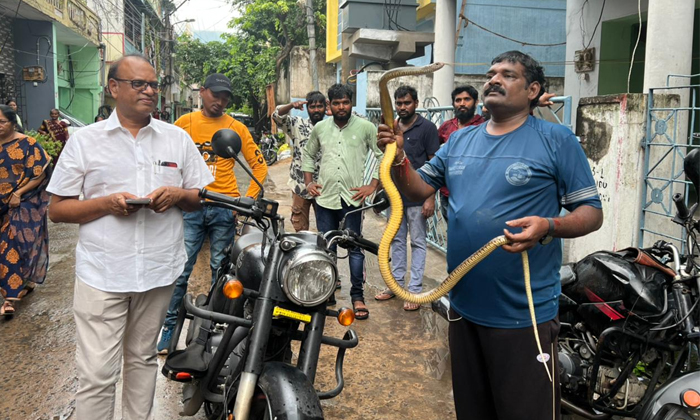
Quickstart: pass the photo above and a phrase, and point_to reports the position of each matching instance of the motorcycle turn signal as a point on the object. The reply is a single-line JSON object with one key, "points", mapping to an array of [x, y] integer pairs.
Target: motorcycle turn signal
{"points": [[233, 289], [691, 398], [346, 317]]}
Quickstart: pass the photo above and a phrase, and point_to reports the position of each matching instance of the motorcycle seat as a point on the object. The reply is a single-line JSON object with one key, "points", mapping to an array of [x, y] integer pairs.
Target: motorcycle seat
{"points": [[567, 275], [192, 360]]}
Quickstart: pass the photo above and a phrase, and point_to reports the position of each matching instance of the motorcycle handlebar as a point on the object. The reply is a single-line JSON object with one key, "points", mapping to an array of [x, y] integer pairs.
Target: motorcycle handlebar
{"points": [[682, 209], [348, 238], [245, 202]]}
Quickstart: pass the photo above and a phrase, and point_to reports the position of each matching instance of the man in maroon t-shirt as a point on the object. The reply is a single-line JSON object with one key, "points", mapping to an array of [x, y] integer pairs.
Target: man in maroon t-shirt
{"points": [[464, 100]]}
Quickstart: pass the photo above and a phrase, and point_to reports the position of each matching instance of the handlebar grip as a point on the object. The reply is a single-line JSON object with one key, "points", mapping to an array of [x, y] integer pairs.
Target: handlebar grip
{"points": [[222, 198], [367, 245], [682, 209]]}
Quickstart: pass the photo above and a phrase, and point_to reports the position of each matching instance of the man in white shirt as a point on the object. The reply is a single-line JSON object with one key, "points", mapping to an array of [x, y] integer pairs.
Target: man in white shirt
{"points": [[128, 255]]}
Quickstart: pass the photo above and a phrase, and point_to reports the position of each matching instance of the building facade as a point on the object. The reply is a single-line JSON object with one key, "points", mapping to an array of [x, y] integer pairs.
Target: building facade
{"points": [[50, 57]]}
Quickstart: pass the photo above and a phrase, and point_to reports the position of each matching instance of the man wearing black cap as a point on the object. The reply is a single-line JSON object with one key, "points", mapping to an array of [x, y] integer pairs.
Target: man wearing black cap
{"points": [[216, 223]]}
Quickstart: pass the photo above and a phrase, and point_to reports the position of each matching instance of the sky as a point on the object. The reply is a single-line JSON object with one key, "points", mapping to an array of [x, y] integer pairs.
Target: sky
{"points": [[211, 18]]}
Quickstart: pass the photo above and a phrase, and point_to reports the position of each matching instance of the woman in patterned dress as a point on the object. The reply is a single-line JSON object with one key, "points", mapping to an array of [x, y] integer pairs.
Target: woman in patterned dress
{"points": [[56, 129], [24, 241]]}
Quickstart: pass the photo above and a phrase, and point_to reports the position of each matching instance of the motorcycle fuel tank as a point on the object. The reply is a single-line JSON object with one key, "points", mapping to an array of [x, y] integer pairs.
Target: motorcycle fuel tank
{"points": [[610, 285]]}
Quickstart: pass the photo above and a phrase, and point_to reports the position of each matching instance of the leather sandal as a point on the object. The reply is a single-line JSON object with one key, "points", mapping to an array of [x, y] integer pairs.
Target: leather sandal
{"points": [[409, 306], [385, 295], [7, 309], [360, 312]]}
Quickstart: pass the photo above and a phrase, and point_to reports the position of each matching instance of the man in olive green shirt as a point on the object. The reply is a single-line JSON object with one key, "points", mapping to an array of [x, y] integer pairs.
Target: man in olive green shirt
{"points": [[344, 142]]}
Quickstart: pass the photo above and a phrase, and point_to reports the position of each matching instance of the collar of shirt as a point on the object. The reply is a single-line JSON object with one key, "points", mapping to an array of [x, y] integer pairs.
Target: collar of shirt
{"points": [[417, 123], [114, 122]]}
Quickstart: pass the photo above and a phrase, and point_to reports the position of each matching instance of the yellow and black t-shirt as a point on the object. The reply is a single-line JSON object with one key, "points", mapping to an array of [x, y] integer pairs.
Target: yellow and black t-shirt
{"points": [[201, 129]]}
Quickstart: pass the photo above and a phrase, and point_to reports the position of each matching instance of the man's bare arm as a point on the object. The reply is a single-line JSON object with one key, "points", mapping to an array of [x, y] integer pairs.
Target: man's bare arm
{"points": [[405, 177], [582, 221]]}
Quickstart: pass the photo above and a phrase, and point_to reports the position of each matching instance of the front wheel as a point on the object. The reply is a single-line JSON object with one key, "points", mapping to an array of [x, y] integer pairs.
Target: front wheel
{"points": [[260, 409], [270, 156]]}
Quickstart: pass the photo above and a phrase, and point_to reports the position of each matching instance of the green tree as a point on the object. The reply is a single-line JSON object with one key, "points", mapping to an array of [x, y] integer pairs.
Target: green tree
{"points": [[265, 34], [197, 59]]}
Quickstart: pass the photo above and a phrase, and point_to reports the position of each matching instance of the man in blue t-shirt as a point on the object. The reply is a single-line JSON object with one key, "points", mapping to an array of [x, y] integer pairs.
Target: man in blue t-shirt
{"points": [[510, 176]]}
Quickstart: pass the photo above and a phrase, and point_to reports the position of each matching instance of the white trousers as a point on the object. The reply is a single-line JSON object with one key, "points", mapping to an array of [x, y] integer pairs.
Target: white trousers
{"points": [[109, 327]]}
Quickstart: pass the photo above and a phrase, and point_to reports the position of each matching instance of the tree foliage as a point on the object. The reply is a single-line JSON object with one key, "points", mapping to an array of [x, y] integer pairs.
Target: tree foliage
{"points": [[263, 38], [255, 53], [197, 59]]}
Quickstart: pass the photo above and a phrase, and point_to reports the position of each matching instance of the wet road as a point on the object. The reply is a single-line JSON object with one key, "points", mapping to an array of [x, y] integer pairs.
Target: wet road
{"points": [[398, 371]]}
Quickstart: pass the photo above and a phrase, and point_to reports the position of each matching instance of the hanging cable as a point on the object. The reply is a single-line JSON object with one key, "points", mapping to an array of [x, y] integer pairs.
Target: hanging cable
{"points": [[596, 26], [523, 43], [636, 44]]}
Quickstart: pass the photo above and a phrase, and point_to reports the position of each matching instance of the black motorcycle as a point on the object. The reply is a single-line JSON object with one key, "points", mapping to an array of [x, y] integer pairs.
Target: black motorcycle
{"points": [[238, 362], [630, 327]]}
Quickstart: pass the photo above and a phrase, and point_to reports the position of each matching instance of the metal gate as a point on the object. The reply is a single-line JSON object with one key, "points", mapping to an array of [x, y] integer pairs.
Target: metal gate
{"points": [[672, 130]]}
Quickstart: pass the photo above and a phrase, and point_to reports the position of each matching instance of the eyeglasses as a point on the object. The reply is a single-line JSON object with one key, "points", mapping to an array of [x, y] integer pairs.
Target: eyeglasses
{"points": [[140, 84], [3, 122]]}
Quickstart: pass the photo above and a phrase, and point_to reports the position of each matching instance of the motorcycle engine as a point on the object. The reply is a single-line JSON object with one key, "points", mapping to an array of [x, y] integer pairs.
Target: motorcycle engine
{"points": [[630, 394]]}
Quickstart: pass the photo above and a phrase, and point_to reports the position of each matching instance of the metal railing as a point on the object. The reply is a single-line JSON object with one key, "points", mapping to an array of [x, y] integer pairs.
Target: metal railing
{"points": [[437, 226], [671, 132], [58, 4]]}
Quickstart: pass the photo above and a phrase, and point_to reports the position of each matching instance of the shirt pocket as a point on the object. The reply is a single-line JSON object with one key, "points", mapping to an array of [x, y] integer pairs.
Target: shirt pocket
{"points": [[168, 177]]}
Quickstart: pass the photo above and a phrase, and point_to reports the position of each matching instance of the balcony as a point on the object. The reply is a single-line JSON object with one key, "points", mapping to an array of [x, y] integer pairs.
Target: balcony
{"points": [[72, 15]]}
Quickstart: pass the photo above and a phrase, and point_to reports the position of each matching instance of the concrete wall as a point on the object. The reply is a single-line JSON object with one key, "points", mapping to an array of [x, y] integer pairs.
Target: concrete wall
{"points": [[612, 129], [581, 19], [296, 83], [533, 21], [42, 97]]}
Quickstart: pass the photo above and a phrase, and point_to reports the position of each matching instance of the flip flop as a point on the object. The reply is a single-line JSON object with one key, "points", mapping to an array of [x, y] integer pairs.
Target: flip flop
{"points": [[7, 309], [360, 313], [385, 295], [409, 306]]}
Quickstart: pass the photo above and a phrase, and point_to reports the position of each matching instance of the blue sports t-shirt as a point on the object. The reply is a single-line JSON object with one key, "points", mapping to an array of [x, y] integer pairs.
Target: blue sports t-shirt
{"points": [[533, 171]]}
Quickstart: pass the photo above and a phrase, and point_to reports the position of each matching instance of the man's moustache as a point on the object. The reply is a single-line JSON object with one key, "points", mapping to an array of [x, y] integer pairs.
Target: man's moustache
{"points": [[497, 89]]}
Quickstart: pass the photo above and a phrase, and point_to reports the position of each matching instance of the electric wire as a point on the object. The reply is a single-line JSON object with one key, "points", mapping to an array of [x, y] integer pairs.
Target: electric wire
{"points": [[600, 18], [636, 44]]}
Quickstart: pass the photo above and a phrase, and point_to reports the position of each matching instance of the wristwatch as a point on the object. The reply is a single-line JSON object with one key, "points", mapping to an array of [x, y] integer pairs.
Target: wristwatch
{"points": [[548, 237]]}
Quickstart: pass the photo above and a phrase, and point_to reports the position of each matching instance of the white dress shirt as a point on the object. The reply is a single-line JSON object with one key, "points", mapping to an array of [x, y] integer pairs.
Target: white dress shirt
{"points": [[145, 250]]}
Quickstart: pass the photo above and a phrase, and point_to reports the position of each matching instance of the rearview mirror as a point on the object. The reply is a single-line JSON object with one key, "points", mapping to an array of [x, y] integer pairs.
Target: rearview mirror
{"points": [[226, 143], [691, 166], [380, 202]]}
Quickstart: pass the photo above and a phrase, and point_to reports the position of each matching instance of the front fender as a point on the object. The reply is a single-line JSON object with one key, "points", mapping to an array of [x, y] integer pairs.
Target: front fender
{"points": [[290, 394], [668, 399]]}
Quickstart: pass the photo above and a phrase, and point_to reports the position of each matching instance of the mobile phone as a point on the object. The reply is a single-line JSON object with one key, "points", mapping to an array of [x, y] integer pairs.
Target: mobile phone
{"points": [[138, 201]]}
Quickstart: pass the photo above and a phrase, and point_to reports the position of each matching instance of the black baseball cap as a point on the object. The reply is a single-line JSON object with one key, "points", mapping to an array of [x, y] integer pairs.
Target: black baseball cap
{"points": [[217, 82]]}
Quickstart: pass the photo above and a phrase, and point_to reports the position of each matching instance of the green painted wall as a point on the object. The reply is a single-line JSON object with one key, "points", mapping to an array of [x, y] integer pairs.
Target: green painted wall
{"points": [[617, 42], [78, 88]]}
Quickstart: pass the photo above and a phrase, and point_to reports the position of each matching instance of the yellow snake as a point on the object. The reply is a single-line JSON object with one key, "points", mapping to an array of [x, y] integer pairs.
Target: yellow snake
{"points": [[394, 222]]}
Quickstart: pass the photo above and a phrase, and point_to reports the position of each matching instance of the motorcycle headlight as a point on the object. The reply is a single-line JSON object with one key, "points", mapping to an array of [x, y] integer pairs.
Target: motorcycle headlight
{"points": [[308, 278]]}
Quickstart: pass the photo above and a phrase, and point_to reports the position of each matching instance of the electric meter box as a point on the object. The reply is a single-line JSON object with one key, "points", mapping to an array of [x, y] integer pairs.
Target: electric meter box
{"points": [[33, 74]]}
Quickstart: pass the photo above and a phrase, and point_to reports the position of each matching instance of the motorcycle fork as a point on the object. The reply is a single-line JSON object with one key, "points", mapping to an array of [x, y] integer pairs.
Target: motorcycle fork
{"points": [[311, 345], [259, 335]]}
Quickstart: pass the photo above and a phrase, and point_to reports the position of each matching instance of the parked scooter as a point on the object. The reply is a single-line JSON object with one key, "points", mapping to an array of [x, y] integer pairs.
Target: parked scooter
{"points": [[238, 362], [630, 327]]}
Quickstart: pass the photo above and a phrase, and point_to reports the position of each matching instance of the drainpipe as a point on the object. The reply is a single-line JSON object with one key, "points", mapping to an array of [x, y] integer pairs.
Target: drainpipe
{"points": [[143, 33], [103, 53]]}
